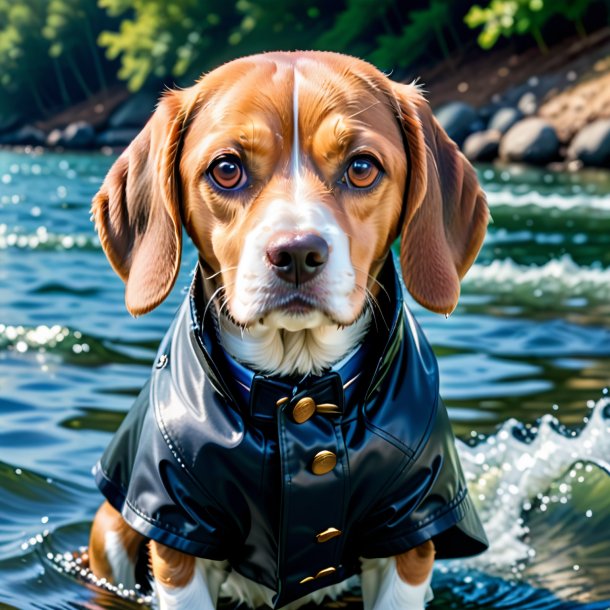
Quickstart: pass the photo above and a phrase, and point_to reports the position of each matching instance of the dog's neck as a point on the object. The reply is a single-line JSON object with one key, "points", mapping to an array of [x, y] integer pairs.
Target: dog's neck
{"points": [[282, 352]]}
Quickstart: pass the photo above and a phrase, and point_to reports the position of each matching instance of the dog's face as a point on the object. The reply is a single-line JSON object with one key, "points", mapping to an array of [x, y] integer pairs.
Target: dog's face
{"points": [[292, 174]]}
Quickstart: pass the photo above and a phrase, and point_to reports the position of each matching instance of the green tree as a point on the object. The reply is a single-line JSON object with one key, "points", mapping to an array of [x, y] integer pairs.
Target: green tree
{"points": [[509, 17], [424, 28], [21, 45], [357, 25], [69, 30], [160, 38], [271, 25]]}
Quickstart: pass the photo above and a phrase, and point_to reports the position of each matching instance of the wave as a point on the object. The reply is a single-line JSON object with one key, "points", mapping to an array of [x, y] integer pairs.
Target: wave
{"points": [[69, 345], [559, 279], [517, 477], [546, 477], [42, 239], [561, 202]]}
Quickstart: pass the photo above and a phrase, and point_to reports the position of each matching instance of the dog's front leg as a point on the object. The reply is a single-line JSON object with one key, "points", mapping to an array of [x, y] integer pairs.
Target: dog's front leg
{"points": [[183, 582], [399, 583]]}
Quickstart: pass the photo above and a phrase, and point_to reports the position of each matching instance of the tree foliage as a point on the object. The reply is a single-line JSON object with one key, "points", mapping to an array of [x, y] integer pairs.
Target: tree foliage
{"points": [[39, 73], [510, 17], [159, 38], [70, 48]]}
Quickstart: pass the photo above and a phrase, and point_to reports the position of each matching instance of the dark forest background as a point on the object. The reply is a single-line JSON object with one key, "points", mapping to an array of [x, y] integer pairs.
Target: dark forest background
{"points": [[55, 53]]}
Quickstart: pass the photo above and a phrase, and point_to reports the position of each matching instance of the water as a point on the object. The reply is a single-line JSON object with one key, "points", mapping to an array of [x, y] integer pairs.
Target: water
{"points": [[530, 340]]}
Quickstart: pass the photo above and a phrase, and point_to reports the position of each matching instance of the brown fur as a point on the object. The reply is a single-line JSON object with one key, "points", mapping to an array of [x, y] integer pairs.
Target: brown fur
{"points": [[107, 519], [169, 567], [156, 184]]}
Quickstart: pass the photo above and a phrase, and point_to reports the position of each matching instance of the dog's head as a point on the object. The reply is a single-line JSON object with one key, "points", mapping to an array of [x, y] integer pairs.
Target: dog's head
{"points": [[292, 173]]}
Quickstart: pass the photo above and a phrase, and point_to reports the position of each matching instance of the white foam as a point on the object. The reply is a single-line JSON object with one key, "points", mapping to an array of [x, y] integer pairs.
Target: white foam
{"points": [[507, 475], [561, 278], [537, 199]]}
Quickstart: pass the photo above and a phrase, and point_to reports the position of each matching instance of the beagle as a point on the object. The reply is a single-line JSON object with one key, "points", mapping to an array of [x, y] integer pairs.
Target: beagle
{"points": [[291, 438]]}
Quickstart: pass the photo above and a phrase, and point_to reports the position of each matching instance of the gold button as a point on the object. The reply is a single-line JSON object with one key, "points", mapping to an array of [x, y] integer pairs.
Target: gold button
{"points": [[328, 534], [325, 572], [305, 580], [328, 408], [303, 410], [323, 462]]}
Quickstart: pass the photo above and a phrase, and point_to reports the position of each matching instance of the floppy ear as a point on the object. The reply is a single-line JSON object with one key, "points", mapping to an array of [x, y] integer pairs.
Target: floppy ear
{"points": [[445, 211], [137, 211]]}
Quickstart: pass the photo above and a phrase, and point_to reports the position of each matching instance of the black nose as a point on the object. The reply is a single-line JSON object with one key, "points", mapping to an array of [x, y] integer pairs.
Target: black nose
{"points": [[297, 257]]}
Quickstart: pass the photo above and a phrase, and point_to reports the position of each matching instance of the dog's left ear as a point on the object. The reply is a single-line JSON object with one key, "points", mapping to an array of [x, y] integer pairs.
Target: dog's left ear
{"points": [[445, 214], [137, 209]]}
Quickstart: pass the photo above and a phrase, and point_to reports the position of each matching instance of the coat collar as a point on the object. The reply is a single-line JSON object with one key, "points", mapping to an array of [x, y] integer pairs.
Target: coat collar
{"points": [[261, 395]]}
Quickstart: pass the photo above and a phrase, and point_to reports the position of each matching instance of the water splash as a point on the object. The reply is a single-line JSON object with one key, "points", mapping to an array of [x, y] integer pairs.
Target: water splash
{"points": [[514, 474], [568, 201], [511, 471], [559, 279]]}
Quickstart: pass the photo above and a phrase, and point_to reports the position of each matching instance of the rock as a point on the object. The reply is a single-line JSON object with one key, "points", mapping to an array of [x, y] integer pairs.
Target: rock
{"points": [[482, 145], [528, 103], [505, 118], [28, 135], [539, 87], [487, 111], [116, 138], [78, 135], [135, 112], [591, 144], [458, 119], [532, 140], [54, 139]]}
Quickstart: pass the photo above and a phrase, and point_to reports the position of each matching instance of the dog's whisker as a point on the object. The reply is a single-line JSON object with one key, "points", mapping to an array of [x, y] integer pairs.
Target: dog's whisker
{"points": [[223, 270], [374, 280], [375, 103], [373, 305]]}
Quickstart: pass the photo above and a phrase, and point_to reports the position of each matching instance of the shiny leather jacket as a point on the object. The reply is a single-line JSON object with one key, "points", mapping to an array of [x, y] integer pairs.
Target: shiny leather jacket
{"points": [[293, 480]]}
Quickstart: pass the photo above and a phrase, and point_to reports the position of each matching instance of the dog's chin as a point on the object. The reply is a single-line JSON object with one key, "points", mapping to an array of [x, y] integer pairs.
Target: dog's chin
{"points": [[294, 321], [297, 319], [294, 314]]}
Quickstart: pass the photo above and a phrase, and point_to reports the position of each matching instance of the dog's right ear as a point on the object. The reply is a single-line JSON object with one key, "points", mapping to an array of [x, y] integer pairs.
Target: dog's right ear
{"points": [[137, 209]]}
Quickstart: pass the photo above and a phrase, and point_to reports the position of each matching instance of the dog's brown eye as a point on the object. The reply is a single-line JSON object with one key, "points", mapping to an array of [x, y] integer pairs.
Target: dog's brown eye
{"points": [[361, 173], [227, 172]]}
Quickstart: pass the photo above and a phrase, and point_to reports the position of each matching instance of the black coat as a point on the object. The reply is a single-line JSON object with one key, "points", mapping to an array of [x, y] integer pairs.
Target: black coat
{"points": [[212, 460]]}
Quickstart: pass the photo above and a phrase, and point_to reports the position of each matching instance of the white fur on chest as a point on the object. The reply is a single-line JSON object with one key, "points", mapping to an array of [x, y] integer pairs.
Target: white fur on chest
{"points": [[281, 352]]}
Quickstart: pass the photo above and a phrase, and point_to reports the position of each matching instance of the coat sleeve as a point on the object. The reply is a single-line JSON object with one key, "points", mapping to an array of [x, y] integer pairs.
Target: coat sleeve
{"points": [[428, 501], [145, 481]]}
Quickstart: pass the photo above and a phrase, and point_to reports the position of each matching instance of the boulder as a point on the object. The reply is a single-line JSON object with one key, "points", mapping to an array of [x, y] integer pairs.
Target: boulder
{"points": [[55, 138], [505, 118], [135, 112], [487, 111], [538, 86], [116, 138], [78, 135], [28, 135], [482, 145], [591, 144], [528, 103], [531, 140], [459, 120]]}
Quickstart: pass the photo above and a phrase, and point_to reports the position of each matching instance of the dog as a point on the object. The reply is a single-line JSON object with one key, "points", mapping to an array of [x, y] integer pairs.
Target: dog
{"points": [[291, 437]]}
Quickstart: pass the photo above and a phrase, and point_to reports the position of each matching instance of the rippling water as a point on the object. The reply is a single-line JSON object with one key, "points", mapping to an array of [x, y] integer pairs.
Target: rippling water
{"points": [[530, 340]]}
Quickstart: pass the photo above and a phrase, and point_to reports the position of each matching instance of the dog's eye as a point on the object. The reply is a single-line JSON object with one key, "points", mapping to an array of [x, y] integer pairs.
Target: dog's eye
{"points": [[227, 172], [361, 173]]}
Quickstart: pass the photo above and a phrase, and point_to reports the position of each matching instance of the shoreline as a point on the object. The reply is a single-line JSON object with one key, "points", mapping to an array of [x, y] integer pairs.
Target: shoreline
{"points": [[548, 110]]}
